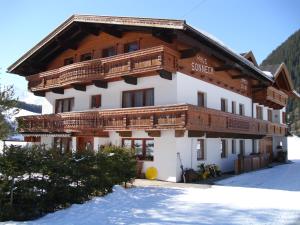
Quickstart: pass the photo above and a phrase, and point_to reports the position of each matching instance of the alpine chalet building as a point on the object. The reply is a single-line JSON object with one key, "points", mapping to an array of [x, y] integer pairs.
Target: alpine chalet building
{"points": [[159, 86]]}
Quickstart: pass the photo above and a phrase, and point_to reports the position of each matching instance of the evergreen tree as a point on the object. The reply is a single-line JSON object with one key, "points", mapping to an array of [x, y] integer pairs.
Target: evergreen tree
{"points": [[8, 108], [289, 53]]}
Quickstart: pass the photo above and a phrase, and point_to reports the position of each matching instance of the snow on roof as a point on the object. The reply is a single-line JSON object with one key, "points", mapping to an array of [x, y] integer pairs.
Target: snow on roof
{"points": [[269, 74]]}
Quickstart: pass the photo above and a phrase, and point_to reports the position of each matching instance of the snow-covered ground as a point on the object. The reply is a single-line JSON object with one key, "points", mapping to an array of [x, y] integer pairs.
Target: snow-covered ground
{"points": [[270, 196]]}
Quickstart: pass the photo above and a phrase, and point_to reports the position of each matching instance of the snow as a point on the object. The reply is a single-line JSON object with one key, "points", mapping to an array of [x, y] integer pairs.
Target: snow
{"points": [[269, 74], [269, 196]]}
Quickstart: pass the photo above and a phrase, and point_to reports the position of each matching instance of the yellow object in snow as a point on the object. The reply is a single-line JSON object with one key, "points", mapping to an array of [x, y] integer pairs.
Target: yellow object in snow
{"points": [[151, 173]]}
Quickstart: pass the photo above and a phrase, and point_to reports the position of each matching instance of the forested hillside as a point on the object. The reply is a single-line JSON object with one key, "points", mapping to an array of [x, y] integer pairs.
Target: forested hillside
{"points": [[289, 53]]}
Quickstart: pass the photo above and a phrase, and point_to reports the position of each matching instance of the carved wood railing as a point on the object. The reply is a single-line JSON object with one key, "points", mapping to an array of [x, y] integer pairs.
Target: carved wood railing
{"points": [[182, 117], [271, 97], [110, 68]]}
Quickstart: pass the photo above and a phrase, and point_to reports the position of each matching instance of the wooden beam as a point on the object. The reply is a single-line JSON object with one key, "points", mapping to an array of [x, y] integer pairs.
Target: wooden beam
{"points": [[164, 35], [130, 79], [179, 133], [58, 90], [238, 76], [90, 30], [259, 86], [125, 133], [226, 67], [39, 93], [66, 44], [196, 133], [79, 87], [154, 133], [165, 74], [188, 53], [113, 31], [100, 83]]}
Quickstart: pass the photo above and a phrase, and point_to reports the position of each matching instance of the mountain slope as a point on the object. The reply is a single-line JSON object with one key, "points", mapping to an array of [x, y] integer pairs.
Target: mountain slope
{"points": [[289, 53]]}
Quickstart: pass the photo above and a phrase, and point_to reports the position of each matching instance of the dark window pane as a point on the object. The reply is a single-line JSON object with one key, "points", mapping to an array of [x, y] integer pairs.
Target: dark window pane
{"points": [[86, 56], [130, 47], [138, 98], [109, 52], [149, 98], [96, 101], [149, 144], [127, 100], [68, 61], [201, 99], [223, 105]]}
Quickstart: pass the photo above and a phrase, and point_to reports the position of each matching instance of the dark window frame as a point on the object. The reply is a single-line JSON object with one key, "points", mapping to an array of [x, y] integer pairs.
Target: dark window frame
{"points": [[67, 61], [241, 109], [106, 51], [63, 142], [144, 156], [224, 103], [224, 150], [83, 57], [259, 112], [201, 95], [270, 115], [132, 97], [96, 101], [233, 146], [242, 147], [61, 101], [126, 46]]}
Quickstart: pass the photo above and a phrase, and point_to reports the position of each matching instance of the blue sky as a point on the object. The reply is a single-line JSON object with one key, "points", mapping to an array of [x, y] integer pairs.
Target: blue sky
{"points": [[257, 25]]}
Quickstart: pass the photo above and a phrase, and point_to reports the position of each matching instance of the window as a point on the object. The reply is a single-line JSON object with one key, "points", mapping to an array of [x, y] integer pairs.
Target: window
{"points": [[223, 105], [130, 47], [64, 105], [144, 147], [201, 99], [85, 57], [241, 109], [242, 147], [283, 117], [223, 148], [233, 146], [270, 115], [96, 101], [255, 146], [111, 51], [68, 61], [200, 149], [63, 144], [233, 107], [138, 98], [259, 112]]}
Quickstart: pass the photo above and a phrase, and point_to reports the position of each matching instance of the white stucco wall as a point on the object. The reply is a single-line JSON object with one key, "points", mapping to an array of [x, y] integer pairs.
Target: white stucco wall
{"points": [[164, 93], [188, 87]]}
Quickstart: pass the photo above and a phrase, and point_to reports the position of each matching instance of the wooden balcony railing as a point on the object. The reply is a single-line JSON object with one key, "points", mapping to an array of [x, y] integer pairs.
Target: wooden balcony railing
{"points": [[182, 117], [110, 68], [271, 97]]}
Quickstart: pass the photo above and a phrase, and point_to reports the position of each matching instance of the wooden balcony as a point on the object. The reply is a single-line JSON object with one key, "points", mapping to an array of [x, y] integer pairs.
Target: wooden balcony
{"points": [[197, 120], [135, 63], [271, 97]]}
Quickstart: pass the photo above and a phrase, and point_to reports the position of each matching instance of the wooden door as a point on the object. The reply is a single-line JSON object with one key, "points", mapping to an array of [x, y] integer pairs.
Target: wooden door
{"points": [[85, 143], [266, 147]]}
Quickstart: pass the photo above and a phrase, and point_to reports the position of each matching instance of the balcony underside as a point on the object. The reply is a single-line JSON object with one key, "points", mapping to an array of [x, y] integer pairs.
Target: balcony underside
{"points": [[196, 120], [158, 59], [271, 97]]}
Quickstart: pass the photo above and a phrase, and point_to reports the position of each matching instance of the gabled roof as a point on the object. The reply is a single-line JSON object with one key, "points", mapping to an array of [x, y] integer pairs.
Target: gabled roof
{"points": [[46, 48], [282, 77], [250, 56]]}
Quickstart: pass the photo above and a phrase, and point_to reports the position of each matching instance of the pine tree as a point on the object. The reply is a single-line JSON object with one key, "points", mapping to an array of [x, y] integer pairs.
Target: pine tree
{"points": [[8, 108]]}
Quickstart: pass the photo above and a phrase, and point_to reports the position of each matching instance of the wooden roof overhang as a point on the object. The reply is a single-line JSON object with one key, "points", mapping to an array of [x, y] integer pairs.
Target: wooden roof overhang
{"points": [[74, 29]]}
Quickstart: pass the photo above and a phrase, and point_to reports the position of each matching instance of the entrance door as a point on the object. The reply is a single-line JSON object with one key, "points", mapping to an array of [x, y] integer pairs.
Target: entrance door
{"points": [[266, 147], [85, 143]]}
